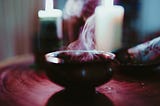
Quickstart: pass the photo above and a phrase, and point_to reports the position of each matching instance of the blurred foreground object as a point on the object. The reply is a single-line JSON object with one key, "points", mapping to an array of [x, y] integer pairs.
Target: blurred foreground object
{"points": [[145, 53]]}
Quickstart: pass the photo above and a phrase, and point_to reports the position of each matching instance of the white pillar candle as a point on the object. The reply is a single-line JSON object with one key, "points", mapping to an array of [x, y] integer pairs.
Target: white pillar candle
{"points": [[51, 15], [108, 26]]}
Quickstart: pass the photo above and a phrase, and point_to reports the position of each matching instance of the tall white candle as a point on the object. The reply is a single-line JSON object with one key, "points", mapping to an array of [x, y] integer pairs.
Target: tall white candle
{"points": [[108, 29], [51, 15]]}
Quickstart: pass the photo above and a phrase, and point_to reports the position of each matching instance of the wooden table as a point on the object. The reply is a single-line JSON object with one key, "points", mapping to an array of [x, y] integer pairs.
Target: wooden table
{"points": [[22, 85]]}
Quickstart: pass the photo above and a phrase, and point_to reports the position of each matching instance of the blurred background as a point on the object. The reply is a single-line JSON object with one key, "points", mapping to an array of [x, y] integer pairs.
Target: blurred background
{"points": [[19, 23]]}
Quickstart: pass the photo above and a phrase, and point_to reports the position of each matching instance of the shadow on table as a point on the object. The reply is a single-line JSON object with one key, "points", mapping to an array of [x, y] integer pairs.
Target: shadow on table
{"points": [[63, 98], [137, 71]]}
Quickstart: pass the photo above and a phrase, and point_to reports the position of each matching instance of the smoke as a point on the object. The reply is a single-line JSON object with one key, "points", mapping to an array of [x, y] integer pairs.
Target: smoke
{"points": [[80, 8], [86, 40], [89, 7], [73, 8]]}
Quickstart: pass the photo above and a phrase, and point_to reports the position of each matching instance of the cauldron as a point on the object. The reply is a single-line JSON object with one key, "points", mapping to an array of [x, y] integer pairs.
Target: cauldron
{"points": [[79, 71]]}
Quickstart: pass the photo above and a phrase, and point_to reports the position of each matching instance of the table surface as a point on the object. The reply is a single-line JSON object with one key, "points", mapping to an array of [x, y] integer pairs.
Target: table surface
{"points": [[21, 85]]}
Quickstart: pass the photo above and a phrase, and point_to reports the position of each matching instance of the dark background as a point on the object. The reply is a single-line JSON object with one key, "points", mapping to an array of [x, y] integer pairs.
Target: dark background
{"points": [[19, 22]]}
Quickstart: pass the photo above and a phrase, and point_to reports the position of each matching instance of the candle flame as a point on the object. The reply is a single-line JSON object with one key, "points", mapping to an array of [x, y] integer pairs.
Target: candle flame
{"points": [[49, 5]]}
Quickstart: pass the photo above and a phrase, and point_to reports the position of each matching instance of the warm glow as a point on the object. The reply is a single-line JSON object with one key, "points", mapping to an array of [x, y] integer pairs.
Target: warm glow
{"points": [[49, 5], [54, 60], [109, 55], [108, 3], [49, 11], [108, 26]]}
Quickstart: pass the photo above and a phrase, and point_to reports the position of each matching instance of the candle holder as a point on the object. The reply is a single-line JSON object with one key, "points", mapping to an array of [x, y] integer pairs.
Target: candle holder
{"points": [[49, 37], [45, 41], [79, 71]]}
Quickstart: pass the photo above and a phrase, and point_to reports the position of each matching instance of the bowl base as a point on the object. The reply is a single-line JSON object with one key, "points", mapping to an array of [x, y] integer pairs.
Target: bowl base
{"points": [[72, 97]]}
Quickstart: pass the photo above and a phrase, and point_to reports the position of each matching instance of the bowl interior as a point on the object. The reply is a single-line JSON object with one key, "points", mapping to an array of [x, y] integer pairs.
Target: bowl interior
{"points": [[78, 56]]}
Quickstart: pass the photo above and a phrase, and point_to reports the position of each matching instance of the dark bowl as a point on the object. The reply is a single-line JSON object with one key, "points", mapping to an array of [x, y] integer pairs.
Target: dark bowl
{"points": [[71, 68]]}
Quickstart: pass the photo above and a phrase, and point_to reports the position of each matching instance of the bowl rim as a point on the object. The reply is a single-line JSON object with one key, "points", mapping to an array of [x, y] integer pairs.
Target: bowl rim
{"points": [[51, 57]]}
